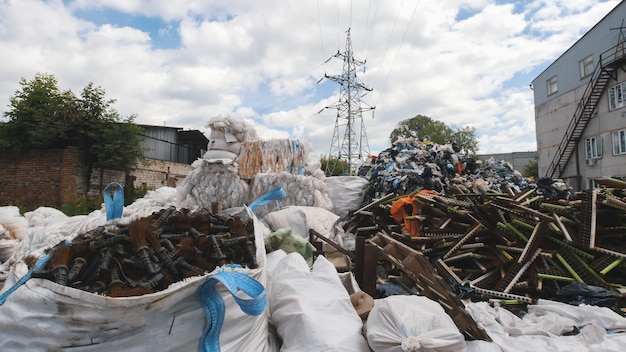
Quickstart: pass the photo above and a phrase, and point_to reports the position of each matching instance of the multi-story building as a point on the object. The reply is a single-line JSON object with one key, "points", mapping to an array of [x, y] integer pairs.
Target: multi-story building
{"points": [[580, 107]]}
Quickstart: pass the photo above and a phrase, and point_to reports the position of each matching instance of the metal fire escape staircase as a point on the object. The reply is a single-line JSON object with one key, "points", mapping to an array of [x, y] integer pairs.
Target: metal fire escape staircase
{"points": [[605, 70]]}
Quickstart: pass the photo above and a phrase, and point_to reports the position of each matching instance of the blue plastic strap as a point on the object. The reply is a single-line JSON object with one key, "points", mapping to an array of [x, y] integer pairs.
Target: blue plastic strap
{"points": [[115, 206], [214, 308], [275, 194], [39, 265]]}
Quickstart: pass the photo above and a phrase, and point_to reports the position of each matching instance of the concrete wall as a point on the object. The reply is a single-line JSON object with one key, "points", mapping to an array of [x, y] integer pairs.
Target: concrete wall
{"points": [[517, 159]]}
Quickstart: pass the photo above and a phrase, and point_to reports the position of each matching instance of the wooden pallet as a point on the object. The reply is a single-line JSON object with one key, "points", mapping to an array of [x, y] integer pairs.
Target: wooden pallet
{"points": [[420, 274]]}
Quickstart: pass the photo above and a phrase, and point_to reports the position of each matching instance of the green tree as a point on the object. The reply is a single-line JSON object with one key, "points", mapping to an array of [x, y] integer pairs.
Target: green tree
{"points": [[531, 169], [438, 132], [38, 117], [334, 167], [43, 116]]}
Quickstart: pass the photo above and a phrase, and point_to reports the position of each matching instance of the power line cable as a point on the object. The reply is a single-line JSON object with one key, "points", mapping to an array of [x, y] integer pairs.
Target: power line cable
{"points": [[389, 40], [367, 44], [319, 21], [399, 48]]}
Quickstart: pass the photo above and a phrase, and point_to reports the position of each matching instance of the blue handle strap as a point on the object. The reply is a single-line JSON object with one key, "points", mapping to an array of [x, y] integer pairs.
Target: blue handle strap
{"points": [[214, 307], [39, 265], [275, 194], [115, 206]]}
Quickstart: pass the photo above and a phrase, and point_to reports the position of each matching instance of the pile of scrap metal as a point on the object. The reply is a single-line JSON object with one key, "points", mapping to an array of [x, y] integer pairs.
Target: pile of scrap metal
{"points": [[509, 247]]}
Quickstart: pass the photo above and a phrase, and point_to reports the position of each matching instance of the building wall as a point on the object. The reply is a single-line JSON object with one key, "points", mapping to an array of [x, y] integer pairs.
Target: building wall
{"points": [[56, 176], [151, 175], [551, 121], [40, 178], [517, 159], [553, 113]]}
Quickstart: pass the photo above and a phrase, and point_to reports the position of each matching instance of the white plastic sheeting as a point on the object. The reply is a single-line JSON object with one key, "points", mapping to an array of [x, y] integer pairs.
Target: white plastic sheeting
{"points": [[13, 226], [544, 326]]}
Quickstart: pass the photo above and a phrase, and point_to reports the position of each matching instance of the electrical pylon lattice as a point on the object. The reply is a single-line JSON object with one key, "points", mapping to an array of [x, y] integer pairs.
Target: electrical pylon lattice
{"points": [[349, 144]]}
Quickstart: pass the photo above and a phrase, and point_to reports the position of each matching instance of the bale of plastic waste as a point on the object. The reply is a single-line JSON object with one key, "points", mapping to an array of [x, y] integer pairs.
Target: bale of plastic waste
{"points": [[213, 182], [300, 190]]}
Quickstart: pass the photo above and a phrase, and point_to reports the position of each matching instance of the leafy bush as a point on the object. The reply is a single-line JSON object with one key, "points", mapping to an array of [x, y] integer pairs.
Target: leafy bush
{"points": [[82, 206]]}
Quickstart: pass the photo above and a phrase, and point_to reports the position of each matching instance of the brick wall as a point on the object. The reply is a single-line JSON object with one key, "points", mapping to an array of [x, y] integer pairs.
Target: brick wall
{"points": [[56, 176], [40, 178]]}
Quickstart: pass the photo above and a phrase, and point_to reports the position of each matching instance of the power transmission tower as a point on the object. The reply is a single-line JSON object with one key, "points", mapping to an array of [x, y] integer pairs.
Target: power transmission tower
{"points": [[353, 148]]}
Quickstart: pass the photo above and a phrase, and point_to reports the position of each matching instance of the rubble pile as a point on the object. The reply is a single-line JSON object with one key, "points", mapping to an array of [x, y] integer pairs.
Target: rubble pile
{"points": [[511, 245], [149, 254]]}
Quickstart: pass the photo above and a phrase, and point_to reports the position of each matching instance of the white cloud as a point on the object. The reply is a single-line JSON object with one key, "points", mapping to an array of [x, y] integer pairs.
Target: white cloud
{"points": [[260, 60]]}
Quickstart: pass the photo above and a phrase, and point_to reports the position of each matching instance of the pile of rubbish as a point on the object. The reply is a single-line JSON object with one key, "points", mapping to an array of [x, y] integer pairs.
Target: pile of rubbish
{"points": [[257, 250], [151, 253], [414, 164]]}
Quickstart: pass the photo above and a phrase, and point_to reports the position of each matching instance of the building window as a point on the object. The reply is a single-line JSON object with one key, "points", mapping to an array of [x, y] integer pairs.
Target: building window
{"points": [[593, 148], [586, 66], [619, 142], [616, 96], [553, 86]]}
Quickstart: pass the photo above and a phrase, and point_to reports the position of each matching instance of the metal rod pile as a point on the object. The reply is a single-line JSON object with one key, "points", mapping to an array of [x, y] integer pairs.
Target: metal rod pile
{"points": [[148, 254]]}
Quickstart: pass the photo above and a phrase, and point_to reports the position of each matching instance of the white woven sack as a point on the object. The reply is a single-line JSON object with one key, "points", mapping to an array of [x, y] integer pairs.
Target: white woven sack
{"points": [[312, 310], [412, 323], [302, 218], [43, 316]]}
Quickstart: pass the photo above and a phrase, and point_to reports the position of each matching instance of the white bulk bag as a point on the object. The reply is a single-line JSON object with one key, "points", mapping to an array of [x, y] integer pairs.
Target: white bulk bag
{"points": [[42, 316], [311, 309], [412, 323]]}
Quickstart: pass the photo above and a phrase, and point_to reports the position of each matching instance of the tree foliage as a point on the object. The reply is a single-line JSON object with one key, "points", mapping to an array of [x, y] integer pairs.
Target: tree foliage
{"points": [[531, 169], [42, 116], [334, 167], [438, 132]]}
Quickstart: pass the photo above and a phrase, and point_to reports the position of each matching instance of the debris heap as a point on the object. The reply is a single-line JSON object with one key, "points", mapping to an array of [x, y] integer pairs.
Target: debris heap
{"points": [[411, 165], [150, 253], [513, 247]]}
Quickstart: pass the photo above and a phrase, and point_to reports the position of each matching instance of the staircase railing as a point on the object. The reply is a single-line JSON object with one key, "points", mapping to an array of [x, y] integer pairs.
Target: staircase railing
{"points": [[584, 110]]}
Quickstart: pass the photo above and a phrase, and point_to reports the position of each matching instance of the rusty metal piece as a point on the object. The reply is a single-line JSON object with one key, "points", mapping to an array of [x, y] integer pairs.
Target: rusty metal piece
{"points": [[533, 241], [516, 277], [314, 234], [581, 269], [463, 239], [614, 202], [499, 294], [215, 252], [588, 218]]}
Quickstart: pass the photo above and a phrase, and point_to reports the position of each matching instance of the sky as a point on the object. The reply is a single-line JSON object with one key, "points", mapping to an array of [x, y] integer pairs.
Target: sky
{"points": [[467, 63]]}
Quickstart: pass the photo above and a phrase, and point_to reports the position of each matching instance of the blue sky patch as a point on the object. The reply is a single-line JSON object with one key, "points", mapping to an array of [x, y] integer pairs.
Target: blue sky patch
{"points": [[164, 35]]}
